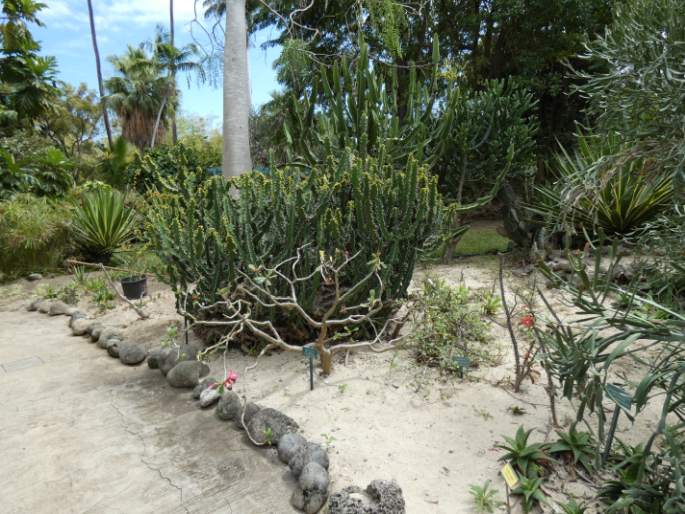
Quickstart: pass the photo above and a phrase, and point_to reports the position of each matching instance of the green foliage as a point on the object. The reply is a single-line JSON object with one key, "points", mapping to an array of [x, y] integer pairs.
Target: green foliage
{"points": [[33, 234], [101, 292], [528, 459], [636, 84], [573, 507], [578, 447], [206, 236], [30, 164], [449, 326], [531, 492], [600, 193], [490, 303], [484, 498], [102, 224], [160, 165]]}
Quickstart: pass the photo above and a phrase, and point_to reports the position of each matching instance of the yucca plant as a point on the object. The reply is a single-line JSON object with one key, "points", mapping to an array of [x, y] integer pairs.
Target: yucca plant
{"points": [[102, 224], [602, 187]]}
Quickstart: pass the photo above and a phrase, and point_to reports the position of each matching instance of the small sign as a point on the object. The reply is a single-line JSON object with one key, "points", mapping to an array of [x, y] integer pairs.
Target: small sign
{"points": [[510, 476], [310, 352], [462, 363]]}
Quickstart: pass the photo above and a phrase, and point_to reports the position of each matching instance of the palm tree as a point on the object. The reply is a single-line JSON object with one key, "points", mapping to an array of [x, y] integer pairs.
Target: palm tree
{"points": [[174, 60], [138, 94], [101, 87], [174, 132], [236, 123]]}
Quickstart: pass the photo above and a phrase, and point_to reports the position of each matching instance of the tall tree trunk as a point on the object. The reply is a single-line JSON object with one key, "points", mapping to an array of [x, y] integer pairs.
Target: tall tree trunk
{"points": [[174, 132], [101, 87], [236, 127]]}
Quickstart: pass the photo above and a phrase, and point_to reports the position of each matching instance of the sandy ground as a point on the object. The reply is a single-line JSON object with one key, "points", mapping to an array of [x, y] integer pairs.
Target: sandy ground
{"points": [[381, 415]]}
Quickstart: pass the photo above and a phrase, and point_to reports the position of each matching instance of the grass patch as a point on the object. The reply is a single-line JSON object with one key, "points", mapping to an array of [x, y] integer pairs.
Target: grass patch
{"points": [[479, 241]]}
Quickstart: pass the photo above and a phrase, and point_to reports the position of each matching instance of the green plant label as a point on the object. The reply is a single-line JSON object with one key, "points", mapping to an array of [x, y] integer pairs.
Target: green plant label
{"points": [[310, 352], [462, 362]]}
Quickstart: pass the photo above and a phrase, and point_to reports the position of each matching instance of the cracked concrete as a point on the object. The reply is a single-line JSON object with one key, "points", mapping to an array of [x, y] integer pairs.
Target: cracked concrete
{"points": [[81, 433]]}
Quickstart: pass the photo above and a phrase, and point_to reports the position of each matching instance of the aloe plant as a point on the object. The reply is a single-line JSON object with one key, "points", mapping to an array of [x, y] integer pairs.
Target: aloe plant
{"points": [[102, 224]]}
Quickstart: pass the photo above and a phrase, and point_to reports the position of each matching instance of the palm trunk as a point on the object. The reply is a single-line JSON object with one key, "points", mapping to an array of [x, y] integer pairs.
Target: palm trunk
{"points": [[174, 133], [101, 87], [236, 126]]}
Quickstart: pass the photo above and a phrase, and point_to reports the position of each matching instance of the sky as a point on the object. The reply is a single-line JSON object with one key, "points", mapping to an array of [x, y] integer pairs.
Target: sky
{"points": [[118, 23]]}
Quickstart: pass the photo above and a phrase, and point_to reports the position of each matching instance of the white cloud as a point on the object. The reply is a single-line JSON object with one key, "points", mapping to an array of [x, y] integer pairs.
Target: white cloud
{"points": [[113, 15]]}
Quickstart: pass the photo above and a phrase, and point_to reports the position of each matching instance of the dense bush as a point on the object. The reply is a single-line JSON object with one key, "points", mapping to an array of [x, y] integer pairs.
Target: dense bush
{"points": [[33, 234], [206, 236], [29, 164], [167, 162]]}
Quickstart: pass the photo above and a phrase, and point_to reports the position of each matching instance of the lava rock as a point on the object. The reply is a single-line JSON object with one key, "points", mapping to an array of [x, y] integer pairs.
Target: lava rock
{"points": [[185, 374], [229, 406], [268, 426], [131, 354], [380, 497], [34, 276], [312, 490], [251, 408], [59, 308], [209, 397], [95, 331], [106, 334], [43, 306], [309, 452], [33, 306], [113, 347], [289, 445], [197, 391], [77, 314], [186, 352], [81, 326], [156, 357]]}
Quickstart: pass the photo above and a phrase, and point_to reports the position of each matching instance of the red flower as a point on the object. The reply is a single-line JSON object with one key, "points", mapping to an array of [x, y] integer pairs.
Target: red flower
{"points": [[528, 320]]}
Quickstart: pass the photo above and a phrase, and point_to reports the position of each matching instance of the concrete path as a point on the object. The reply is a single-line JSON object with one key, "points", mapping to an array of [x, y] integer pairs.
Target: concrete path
{"points": [[81, 433]]}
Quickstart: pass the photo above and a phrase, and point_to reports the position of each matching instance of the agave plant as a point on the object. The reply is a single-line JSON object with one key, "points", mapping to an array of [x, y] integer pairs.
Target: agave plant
{"points": [[102, 224], [602, 187]]}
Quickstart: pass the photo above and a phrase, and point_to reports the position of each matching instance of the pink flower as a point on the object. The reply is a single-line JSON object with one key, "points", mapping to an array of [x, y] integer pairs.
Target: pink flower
{"points": [[230, 379], [528, 320]]}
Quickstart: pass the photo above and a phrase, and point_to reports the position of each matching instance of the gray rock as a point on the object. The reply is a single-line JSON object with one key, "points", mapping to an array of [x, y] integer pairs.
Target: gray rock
{"points": [[289, 445], [77, 314], [113, 347], [34, 276], [229, 406], [387, 495], [95, 331], [81, 326], [186, 352], [251, 408], [380, 497], [197, 391], [185, 374], [309, 452], [106, 334], [209, 397], [33, 306], [268, 426], [312, 490], [156, 357], [43, 306], [131, 354], [59, 308]]}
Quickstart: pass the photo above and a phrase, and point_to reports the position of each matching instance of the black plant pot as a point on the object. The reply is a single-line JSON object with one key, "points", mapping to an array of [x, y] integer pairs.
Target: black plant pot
{"points": [[134, 287]]}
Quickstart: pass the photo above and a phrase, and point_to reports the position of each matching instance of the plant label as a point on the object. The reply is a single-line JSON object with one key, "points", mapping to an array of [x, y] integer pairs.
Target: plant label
{"points": [[509, 475]]}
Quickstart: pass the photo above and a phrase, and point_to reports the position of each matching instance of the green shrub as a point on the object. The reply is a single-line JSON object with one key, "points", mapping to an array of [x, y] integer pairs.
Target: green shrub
{"points": [[167, 162], [206, 236], [599, 193], [102, 224], [33, 234], [29, 164], [450, 327]]}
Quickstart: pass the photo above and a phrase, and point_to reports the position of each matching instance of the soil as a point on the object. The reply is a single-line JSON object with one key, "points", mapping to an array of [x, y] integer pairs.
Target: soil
{"points": [[384, 416]]}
